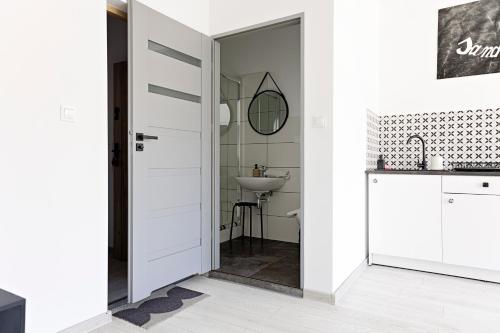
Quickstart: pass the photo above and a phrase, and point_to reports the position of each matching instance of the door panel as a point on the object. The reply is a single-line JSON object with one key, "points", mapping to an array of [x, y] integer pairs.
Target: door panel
{"points": [[405, 216], [471, 230], [165, 111], [174, 230], [174, 190], [175, 149], [167, 173], [172, 34], [182, 76]]}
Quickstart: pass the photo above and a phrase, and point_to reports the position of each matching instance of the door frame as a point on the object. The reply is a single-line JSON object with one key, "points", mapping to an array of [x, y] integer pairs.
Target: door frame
{"points": [[216, 134], [129, 155]]}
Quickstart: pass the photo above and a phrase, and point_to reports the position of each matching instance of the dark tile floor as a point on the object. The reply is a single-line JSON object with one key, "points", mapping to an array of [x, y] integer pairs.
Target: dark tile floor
{"points": [[267, 260]]}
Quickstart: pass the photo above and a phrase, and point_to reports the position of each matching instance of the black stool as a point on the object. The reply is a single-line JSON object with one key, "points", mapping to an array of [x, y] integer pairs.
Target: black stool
{"points": [[249, 205]]}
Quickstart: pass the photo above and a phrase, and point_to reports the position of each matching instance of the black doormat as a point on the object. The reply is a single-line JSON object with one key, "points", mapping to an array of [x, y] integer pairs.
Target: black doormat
{"points": [[159, 306]]}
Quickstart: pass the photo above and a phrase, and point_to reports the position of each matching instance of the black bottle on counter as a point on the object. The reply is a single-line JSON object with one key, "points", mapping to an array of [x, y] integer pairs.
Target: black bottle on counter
{"points": [[380, 162]]}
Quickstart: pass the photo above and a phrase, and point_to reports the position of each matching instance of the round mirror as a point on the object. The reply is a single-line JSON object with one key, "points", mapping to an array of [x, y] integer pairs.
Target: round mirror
{"points": [[268, 112]]}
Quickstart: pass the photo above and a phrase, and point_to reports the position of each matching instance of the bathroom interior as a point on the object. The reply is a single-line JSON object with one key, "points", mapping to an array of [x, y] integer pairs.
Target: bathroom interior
{"points": [[260, 157]]}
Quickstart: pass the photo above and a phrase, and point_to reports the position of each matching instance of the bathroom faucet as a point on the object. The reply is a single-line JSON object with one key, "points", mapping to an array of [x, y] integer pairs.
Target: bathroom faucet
{"points": [[422, 165], [263, 170]]}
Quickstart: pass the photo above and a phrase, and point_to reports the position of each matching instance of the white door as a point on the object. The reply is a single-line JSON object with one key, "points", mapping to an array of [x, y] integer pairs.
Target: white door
{"points": [[471, 230], [405, 216], [170, 82]]}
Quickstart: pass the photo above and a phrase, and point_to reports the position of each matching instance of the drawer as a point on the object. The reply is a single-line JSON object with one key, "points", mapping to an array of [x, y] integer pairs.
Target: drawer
{"points": [[471, 184]]}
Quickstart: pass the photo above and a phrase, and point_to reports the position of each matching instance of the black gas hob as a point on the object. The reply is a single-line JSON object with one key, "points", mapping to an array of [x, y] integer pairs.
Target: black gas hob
{"points": [[476, 166]]}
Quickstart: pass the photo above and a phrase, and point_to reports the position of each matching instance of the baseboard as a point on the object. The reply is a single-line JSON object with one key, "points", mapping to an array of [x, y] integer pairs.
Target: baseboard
{"points": [[319, 296], [90, 324], [347, 284], [437, 268]]}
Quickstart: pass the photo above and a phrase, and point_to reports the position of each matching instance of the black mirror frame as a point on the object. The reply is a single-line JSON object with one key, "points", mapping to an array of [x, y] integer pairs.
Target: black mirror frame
{"points": [[287, 111]]}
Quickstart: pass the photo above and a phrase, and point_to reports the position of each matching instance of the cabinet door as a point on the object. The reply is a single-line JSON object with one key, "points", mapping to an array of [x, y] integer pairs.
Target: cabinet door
{"points": [[471, 230], [405, 216]]}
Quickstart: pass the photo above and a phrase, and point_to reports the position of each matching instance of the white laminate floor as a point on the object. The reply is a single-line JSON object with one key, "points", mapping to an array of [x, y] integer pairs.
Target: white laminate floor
{"points": [[383, 300]]}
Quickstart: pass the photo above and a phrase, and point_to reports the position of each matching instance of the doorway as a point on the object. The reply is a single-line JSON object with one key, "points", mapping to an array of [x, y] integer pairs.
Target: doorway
{"points": [[117, 157], [260, 135]]}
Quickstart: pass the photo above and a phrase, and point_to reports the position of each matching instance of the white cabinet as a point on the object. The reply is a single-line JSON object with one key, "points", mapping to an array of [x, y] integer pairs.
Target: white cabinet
{"points": [[405, 216], [471, 230]]}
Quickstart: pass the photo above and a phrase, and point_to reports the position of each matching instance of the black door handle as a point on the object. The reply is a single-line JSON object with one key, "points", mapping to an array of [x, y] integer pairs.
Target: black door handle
{"points": [[142, 137], [486, 184]]}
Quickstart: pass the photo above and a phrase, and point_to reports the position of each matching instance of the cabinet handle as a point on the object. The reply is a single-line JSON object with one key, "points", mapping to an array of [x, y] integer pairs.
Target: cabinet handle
{"points": [[486, 184], [375, 181], [451, 201]]}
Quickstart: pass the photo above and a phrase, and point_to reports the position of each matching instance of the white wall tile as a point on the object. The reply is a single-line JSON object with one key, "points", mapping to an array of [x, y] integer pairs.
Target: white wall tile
{"points": [[280, 152], [224, 89], [224, 135], [249, 135], [223, 177], [225, 206], [223, 217], [224, 234], [254, 154], [246, 172], [232, 155], [233, 133], [233, 91], [284, 155], [256, 222], [232, 172], [245, 103], [292, 184], [233, 108], [223, 154], [250, 83], [249, 196], [283, 229], [233, 196], [223, 195], [282, 203], [289, 133]]}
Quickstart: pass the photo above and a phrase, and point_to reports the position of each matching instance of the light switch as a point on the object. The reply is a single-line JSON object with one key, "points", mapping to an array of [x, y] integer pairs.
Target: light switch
{"points": [[68, 114], [318, 122]]}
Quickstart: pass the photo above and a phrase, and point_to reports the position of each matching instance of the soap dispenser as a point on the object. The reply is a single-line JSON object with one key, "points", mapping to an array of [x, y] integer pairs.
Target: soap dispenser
{"points": [[256, 171], [380, 162]]}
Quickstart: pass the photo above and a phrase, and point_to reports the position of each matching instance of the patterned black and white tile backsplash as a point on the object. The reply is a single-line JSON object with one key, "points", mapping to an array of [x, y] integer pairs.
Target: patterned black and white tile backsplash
{"points": [[458, 136], [373, 141]]}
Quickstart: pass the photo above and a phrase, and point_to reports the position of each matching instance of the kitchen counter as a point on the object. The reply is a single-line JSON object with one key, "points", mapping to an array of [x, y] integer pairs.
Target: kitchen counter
{"points": [[434, 172]]}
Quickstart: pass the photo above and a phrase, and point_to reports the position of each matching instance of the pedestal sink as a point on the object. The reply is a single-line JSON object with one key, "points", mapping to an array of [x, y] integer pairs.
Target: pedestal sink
{"points": [[262, 186]]}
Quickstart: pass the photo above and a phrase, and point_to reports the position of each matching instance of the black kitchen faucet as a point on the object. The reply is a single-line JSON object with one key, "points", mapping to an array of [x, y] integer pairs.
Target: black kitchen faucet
{"points": [[423, 164]]}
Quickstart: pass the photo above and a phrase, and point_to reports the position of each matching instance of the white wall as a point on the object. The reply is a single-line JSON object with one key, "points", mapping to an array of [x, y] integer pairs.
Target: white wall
{"points": [[228, 16], [409, 60], [193, 13], [355, 90], [53, 175]]}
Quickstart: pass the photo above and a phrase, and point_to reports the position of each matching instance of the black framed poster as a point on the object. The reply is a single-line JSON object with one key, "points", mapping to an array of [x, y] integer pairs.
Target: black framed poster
{"points": [[469, 39]]}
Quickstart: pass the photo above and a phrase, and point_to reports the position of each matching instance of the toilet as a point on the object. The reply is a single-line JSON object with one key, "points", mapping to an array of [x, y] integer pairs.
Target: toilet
{"points": [[296, 215]]}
